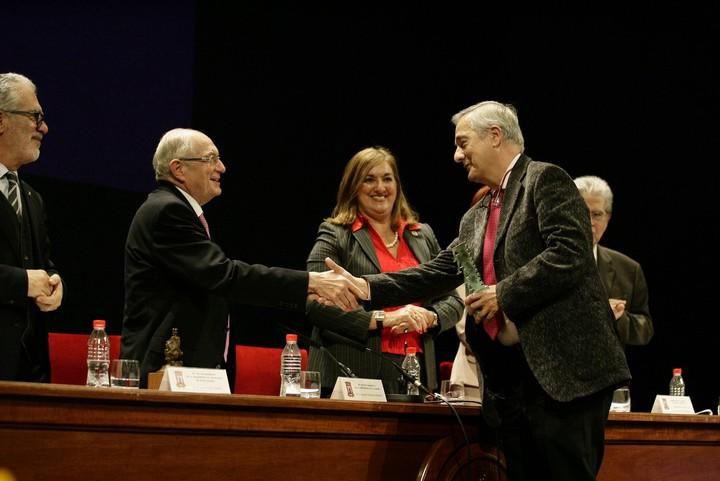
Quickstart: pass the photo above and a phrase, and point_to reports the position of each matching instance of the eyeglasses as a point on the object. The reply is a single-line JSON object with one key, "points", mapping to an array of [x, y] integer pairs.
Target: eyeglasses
{"points": [[214, 159], [598, 215], [35, 115]]}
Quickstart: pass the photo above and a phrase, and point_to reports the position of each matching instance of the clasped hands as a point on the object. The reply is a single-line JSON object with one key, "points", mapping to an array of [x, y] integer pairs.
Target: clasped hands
{"points": [[46, 290], [409, 318], [340, 288], [618, 307], [345, 289]]}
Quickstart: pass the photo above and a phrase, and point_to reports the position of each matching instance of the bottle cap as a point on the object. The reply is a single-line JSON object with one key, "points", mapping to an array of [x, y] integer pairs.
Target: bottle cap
{"points": [[411, 350], [98, 324], [677, 370], [290, 337]]}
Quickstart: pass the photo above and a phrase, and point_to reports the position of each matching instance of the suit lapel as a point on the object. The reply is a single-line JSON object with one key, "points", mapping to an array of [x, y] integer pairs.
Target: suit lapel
{"points": [[362, 236], [511, 195], [472, 228], [416, 242], [9, 224]]}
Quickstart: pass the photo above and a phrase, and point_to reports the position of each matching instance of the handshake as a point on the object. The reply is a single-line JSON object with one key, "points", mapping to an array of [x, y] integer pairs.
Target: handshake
{"points": [[337, 287], [46, 290]]}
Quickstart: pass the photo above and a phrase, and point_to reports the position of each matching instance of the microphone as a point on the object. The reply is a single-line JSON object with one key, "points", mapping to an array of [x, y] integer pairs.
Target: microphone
{"points": [[334, 336], [345, 370]]}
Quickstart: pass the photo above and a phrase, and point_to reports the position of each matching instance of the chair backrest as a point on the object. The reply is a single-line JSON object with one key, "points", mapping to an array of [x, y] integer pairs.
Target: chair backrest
{"points": [[257, 369], [68, 356]]}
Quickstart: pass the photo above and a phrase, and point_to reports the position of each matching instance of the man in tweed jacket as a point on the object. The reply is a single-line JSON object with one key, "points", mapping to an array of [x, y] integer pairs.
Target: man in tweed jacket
{"points": [[549, 394]]}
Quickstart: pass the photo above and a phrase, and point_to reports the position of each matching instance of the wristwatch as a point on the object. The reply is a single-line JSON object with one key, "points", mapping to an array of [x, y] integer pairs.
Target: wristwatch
{"points": [[379, 317]]}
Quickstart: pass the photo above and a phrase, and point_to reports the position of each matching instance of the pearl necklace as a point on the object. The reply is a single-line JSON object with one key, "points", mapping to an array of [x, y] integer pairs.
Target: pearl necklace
{"points": [[393, 243]]}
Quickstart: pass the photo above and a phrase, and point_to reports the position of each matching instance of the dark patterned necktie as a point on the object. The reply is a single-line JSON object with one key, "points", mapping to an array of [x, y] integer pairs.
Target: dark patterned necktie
{"points": [[492, 327], [13, 192]]}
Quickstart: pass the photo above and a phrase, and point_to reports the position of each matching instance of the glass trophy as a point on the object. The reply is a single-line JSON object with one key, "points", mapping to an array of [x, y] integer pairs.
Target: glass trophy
{"points": [[464, 260]]}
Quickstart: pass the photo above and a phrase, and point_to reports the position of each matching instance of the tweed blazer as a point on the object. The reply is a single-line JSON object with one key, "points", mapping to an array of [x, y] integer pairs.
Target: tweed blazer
{"points": [[355, 252], [23, 327], [548, 284], [623, 278]]}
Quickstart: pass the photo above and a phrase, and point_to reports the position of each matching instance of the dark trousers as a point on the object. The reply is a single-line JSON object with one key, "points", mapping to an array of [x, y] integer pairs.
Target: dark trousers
{"points": [[544, 439]]}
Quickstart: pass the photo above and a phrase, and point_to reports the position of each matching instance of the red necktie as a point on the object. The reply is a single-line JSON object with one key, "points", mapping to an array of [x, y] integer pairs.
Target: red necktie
{"points": [[492, 327], [205, 224]]}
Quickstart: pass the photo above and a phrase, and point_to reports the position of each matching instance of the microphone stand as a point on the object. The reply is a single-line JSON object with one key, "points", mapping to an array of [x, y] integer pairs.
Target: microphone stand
{"points": [[361, 347]]}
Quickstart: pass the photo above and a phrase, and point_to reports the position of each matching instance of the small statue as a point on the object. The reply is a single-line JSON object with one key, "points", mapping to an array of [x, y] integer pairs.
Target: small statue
{"points": [[173, 353]]}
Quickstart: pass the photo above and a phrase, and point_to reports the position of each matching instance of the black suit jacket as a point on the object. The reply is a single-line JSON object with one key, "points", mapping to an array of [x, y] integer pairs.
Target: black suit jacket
{"points": [[623, 278], [355, 252], [176, 277], [23, 327], [548, 284]]}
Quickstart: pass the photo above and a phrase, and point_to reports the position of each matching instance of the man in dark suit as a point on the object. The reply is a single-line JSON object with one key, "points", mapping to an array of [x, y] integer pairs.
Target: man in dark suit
{"points": [[622, 276], [549, 388], [175, 276], [29, 284]]}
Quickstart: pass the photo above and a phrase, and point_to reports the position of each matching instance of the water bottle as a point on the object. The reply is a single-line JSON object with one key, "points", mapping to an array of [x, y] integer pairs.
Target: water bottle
{"points": [[677, 385], [290, 367], [411, 365], [98, 356]]}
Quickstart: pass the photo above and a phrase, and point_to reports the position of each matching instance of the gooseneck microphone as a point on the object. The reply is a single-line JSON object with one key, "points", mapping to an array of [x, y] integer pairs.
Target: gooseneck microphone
{"points": [[334, 336], [345, 370]]}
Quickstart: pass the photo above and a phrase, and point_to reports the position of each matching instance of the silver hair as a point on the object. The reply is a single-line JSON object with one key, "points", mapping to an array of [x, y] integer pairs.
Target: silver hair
{"points": [[9, 85], [488, 114], [175, 143], [593, 185]]}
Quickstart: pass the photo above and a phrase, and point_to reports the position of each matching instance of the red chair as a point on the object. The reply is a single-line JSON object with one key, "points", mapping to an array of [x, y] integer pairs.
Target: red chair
{"points": [[68, 356], [257, 369]]}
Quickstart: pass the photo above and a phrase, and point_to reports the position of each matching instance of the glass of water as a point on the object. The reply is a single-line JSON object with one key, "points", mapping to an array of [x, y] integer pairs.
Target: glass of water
{"points": [[125, 373], [309, 384]]}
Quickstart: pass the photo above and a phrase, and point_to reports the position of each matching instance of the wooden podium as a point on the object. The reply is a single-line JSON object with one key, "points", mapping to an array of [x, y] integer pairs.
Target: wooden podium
{"points": [[62, 432]]}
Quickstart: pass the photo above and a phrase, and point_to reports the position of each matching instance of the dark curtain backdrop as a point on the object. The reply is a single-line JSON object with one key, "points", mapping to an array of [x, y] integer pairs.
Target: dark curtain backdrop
{"points": [[288, 97]]}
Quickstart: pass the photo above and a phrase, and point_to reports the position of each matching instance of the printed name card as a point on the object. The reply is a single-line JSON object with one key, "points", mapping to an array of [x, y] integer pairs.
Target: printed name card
{"points": [[195, 379], [358, 389], [665, 404]]}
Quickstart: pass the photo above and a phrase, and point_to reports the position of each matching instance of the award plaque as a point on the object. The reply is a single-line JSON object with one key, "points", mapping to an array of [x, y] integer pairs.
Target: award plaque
{"points": [[508, 334], [473, 280]]}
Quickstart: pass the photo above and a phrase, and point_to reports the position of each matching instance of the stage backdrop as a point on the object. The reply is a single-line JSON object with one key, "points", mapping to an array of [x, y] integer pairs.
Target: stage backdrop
{"points": [[290, 96]]}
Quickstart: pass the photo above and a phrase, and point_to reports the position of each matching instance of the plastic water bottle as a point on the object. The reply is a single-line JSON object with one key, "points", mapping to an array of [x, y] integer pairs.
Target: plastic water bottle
{"points": [[290, 367], [98, 356], [411, 364], [677, 385]]}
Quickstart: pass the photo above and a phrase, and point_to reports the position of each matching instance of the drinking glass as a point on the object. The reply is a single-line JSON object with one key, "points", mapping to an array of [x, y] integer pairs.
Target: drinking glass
{"points": [[621, 400], [309, 384], [125, 373], [452, 391]]}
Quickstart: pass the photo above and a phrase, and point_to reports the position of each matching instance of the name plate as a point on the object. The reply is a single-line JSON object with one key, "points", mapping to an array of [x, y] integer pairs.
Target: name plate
{"points": [[195, 379], [665, 404], [358, 389]]}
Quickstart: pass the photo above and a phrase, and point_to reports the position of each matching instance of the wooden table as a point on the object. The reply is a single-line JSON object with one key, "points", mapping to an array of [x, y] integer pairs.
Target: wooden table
{"points": [[661, 447], [61, 432]]}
